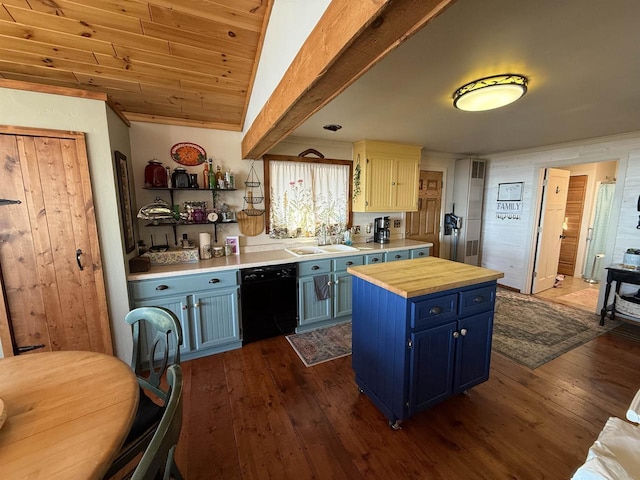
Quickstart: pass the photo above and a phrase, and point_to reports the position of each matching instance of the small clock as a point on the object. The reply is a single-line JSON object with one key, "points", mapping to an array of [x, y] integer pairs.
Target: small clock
{"points": [[212, 217]]}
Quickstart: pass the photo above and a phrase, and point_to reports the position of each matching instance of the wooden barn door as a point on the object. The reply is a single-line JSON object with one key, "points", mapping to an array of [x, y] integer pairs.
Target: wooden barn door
{"points": [[52, 283]]}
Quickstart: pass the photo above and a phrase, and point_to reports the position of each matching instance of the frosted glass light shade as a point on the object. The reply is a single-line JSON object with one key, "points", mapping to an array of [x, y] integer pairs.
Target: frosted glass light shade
{"points": [[490, 92]]}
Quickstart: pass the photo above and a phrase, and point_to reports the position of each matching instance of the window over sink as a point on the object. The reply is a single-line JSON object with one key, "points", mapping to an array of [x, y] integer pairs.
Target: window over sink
{"points": [[305, 197]]}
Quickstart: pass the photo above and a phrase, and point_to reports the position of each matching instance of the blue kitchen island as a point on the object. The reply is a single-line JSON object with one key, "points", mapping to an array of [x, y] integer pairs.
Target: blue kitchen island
{"points": [[422, 332]]}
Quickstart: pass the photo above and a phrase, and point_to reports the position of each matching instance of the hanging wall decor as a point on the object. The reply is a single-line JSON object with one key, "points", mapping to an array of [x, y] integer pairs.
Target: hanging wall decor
{"points": [[509, 205], [126, 205]]}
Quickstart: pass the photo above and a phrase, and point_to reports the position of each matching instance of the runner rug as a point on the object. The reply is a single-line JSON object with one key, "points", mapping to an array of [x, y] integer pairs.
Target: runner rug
{"points": [[533, 332], [323, 344]]}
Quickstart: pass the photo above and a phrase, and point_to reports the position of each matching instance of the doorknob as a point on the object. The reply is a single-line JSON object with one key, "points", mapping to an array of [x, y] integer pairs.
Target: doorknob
{"points": [[563, 236]]}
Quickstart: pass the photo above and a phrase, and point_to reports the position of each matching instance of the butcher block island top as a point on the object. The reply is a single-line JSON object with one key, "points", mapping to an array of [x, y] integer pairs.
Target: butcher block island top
{"points": [[422, 276]]}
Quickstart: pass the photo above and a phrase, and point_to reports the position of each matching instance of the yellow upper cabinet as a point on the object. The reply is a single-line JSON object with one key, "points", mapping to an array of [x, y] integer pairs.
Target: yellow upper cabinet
{"points": [[385, 177]]}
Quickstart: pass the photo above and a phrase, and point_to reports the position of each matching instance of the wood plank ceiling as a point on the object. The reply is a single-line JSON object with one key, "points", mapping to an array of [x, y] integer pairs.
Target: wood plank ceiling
{"points": [[184, 62]]}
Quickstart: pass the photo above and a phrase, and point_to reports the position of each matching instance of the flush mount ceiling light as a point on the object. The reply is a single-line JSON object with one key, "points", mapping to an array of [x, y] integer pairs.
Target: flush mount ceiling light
{"points": [[333, 127], [490, 92]]}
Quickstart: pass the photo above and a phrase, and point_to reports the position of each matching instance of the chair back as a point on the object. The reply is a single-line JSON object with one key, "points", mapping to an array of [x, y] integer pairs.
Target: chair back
{"points": [[157, 336], [158, 457]]}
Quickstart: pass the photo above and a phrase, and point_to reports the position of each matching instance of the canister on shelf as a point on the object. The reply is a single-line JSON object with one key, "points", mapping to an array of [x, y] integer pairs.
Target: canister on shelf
{"points": [[218, 252]]}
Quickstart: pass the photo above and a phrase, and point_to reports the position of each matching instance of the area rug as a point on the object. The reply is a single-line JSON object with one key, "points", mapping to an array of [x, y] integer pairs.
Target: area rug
{"points": [[323, 344], [533, 332], [587, 298]]}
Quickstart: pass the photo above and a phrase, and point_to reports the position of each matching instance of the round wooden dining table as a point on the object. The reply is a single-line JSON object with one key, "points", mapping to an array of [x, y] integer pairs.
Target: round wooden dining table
{"points": [[68, 414]]}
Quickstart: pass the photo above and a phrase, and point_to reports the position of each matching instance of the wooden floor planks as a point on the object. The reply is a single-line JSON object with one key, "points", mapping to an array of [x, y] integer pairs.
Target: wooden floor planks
{"points": [[259, 413]]}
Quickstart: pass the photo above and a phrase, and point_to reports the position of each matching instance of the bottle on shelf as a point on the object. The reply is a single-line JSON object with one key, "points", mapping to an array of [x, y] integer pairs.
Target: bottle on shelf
{"points": [[169, 184], [205, 176], [212, 176], [219, 177]]}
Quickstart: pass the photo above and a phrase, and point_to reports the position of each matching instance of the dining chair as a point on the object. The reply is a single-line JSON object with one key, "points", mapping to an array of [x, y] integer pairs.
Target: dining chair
{"points": [[158, 458], [157, 336]]}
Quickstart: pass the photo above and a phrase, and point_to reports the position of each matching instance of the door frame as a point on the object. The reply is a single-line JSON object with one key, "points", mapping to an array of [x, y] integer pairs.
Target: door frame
{"points": [[536, 202], [542, 226]]}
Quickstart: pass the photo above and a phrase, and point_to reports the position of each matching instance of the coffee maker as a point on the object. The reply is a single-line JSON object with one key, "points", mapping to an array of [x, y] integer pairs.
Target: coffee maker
{"points": [[381, 232]]}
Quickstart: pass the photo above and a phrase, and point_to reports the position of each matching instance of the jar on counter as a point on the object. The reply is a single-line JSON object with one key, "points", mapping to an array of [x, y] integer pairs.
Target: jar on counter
{"points": [[218, 252]]}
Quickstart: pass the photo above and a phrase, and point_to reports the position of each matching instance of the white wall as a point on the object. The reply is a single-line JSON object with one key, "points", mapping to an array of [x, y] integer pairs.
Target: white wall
{"points": [[290, 23], [57, 112], [508, 244]]}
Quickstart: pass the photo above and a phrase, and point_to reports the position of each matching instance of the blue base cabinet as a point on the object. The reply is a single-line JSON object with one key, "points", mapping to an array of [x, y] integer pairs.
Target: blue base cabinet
{"points": [[336, 308], [206, 305], [411, 353]]}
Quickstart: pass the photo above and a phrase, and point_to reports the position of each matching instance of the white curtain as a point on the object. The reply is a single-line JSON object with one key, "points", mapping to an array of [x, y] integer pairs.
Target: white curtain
{"points": [[305, 196], [598, 241]]}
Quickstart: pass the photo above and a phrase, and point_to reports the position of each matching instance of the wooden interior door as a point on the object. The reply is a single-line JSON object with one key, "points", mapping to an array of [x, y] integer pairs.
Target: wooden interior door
{"points": [[550, 231], [573, 223], [52, 279], [424, 225]]}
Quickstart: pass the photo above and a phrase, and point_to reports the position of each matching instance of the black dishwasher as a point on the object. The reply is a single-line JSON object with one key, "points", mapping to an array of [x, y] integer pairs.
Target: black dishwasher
{"points": [[269, 301]]}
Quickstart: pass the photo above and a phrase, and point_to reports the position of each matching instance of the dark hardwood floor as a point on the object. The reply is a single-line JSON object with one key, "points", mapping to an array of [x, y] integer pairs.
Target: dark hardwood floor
{"points": [[259, 413]]}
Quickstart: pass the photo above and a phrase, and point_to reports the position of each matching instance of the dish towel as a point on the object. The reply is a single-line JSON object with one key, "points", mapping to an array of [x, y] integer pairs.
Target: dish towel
{"points": [[321, 286]]}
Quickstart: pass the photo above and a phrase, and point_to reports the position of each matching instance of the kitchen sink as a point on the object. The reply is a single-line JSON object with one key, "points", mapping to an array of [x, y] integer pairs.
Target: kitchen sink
{"points": [[338, 248], [323, 250]]}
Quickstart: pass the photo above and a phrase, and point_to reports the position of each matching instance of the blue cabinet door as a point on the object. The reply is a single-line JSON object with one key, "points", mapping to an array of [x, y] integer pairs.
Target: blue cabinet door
{"points": [[312, 310], [179, 305], [473, 351], [419, 252], [397, 255], [431, 366], [342, 303], [215, 320]]}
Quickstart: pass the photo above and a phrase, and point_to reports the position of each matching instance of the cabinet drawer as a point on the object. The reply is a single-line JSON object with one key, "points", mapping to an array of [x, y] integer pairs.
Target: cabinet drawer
{"points": [[433, 311], [341, 264], [314, 267], [419, 252], [183, 284], [374, 258], [399, 255], [477, 300]]}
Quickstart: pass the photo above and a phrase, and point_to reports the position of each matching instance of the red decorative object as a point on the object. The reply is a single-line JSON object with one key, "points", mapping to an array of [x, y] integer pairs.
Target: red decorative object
{"points": [[188, 154], [155, 176]]}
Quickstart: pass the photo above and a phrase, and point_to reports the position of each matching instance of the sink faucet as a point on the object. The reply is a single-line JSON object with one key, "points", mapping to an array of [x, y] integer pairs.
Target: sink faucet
{"points": [[322, 239]]}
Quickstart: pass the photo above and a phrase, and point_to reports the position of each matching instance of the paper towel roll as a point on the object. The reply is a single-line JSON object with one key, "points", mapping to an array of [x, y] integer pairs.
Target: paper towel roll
{"points": [[204, 242]]}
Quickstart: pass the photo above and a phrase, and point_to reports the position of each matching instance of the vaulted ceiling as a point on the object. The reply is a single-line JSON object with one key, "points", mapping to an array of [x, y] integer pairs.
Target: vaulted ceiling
{"points": [[181, 62]]}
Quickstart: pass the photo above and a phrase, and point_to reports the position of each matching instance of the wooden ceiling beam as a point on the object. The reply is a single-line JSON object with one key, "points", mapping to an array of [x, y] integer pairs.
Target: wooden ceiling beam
{"points": [[350, 38]]}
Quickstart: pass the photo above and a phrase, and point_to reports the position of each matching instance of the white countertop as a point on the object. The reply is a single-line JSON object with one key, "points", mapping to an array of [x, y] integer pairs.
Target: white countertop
{"points": [[270, 257]]}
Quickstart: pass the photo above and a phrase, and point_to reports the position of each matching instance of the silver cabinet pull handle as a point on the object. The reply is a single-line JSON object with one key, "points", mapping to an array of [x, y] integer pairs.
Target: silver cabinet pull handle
{"points": [[349, 263], [478, 299], [435, 310], [214, 280], [456, 334], [463, 331], [315, 267], [161, 287]]}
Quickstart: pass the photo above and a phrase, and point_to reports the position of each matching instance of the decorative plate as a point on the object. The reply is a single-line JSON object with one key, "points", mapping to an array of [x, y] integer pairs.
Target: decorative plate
{"points": [[188, 154]]}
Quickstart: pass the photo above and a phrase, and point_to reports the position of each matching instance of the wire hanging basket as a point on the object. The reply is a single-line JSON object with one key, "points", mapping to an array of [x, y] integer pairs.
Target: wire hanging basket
{"points": [[253, 194]]}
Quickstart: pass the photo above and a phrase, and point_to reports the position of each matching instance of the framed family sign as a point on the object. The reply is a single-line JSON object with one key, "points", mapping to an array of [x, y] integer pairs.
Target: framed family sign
{"points": [[510, 192]]}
